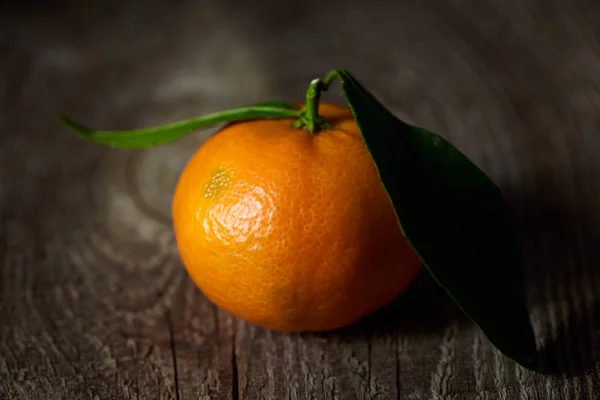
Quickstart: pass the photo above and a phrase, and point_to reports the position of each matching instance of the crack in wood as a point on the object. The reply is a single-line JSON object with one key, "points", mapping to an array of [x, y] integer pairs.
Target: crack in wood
{"points": [[397, 360], [173, 354], [235, 391]]}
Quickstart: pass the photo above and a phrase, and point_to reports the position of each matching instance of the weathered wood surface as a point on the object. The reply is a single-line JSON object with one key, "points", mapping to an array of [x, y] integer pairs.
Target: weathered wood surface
{"points": [[94, 303]]}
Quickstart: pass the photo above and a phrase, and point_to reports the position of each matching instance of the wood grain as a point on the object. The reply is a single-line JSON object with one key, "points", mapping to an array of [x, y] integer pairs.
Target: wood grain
{"points": [[94, 302]]}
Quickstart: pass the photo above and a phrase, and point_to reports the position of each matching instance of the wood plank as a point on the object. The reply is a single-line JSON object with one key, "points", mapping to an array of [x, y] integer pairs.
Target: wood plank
{"points": [[94, 302]]}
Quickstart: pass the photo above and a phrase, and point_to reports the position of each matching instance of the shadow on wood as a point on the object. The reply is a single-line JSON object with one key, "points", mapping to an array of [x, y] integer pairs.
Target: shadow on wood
{"points": [[557, 238], [423, 308]]}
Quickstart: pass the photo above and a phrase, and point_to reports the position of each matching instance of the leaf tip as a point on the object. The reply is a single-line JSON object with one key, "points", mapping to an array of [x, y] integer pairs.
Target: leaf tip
{"points": [[71, 124]]}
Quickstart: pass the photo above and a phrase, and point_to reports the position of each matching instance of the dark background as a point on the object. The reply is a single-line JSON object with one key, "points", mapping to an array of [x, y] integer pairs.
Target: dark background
{"points": [[94, 303]]}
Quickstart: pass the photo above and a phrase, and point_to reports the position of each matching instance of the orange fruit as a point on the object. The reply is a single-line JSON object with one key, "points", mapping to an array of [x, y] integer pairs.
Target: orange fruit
{"points": [[290, 230]]}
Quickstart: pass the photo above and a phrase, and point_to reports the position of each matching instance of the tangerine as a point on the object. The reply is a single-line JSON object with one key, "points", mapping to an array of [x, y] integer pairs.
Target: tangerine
{"points": [[290, 230]]}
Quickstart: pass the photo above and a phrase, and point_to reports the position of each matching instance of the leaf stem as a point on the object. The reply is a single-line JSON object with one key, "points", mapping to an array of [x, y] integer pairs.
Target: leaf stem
{"points": [[331, 75], [310, 119]]}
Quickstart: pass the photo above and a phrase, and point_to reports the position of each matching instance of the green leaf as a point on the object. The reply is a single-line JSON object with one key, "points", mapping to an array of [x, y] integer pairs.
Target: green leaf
{"points": [[454, 217], [158, 135]]}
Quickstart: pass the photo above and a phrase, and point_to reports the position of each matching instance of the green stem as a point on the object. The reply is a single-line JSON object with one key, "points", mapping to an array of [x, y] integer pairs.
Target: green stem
{"points": [[313, 95], [310, 119], [329, 78]]}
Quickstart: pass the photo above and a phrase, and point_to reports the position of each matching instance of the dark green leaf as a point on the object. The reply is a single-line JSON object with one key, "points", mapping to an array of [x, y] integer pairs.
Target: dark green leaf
{"points": [[454, 217], [154, 136]]}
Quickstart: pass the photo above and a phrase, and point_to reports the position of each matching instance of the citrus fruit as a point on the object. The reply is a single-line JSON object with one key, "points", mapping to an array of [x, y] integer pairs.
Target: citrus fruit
{"points": [[291, 230]]}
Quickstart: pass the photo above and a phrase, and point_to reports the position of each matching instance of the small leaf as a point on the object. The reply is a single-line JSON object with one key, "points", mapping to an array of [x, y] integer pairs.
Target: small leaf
{"points": [[454, 217], [158, 135]]}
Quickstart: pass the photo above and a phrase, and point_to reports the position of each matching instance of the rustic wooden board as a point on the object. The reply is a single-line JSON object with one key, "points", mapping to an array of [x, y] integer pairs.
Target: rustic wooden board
{"points": [[94, 303]]}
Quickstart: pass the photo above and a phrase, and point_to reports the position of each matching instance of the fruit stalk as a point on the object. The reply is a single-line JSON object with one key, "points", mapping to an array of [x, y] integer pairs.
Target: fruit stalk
{"points": [[310, 119]]}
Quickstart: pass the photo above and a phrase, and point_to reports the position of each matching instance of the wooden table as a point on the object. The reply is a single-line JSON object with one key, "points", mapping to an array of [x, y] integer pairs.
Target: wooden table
{"points": [[94, 302]]}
